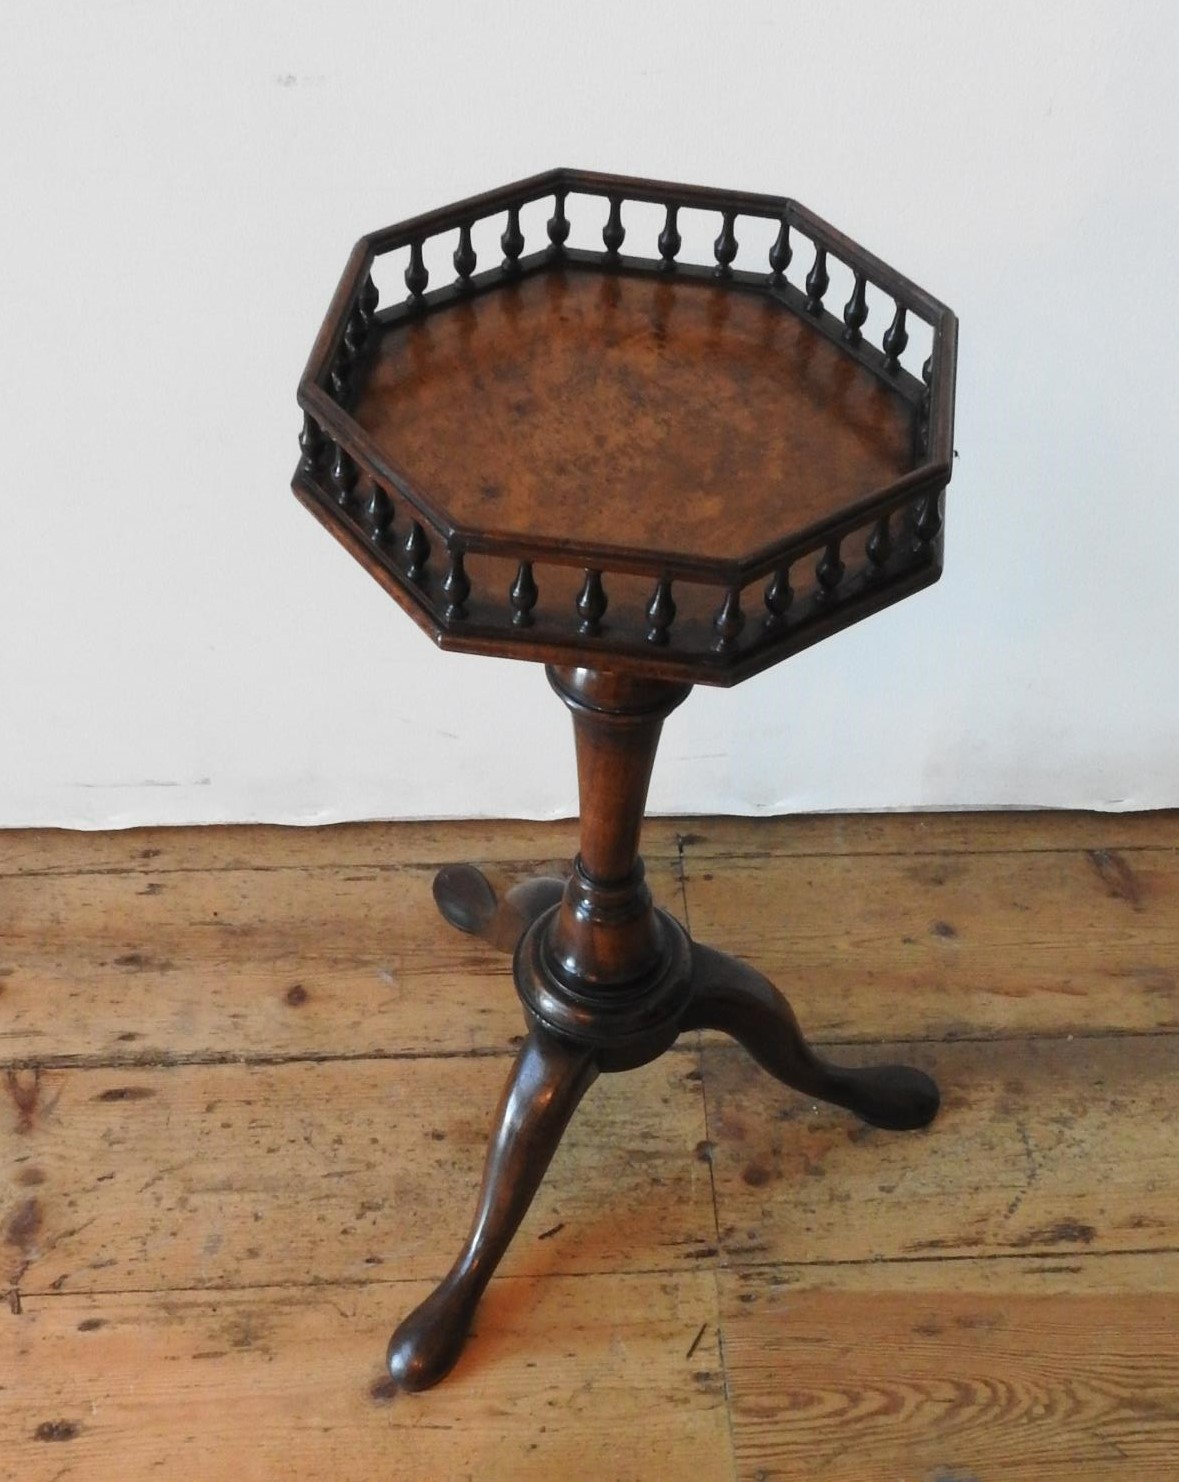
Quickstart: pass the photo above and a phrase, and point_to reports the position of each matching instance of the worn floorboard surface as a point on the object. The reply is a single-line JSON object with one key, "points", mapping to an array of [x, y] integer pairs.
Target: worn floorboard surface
{"points": [[245, 1081]]}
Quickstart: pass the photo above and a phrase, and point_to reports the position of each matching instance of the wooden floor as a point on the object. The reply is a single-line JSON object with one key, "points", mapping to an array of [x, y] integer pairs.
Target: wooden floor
{"points": [[248, 1076]]}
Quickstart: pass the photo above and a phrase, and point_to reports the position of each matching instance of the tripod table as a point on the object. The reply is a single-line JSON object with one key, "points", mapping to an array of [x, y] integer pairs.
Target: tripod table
{"points": [[646, 472]]}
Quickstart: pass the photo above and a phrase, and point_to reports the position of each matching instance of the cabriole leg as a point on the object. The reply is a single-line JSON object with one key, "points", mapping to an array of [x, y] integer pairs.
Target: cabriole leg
{"points": [[467, 899], [547, 1081], [728, 995]]}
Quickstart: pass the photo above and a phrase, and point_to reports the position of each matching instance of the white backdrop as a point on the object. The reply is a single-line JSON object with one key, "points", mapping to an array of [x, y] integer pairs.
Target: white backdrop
{"points": [[179, 188]]}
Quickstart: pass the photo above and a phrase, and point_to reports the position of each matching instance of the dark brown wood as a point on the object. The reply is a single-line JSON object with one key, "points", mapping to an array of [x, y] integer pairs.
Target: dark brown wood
{"points": [[456, 588], [729, 622], [670, 240], [733, 997], [465, 260], [830, 570], [531, 459], [548, 1080], [879, 544], [415, 551], [558, 222], [311, 443], [725, 247], [591, 604], [781, 253], [607, 935], [855, 312], [417, 277], [468, 901], [368, 298], [523, 595], [512, 241], [608, 983], [614, 233], [377, 512], [896, 337], [778, 597], [817, 281], [661, 612], [343, 475]]}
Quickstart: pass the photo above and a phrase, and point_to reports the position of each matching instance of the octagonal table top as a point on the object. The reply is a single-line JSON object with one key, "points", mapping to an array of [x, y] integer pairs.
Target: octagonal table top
{"points": [[626, 457]]}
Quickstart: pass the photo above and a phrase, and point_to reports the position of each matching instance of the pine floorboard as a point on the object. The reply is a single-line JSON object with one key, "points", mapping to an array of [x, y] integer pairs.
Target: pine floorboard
{"points": [[245, 1081]]}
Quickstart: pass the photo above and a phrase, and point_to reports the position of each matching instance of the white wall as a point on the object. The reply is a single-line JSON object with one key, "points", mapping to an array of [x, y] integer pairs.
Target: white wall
{"points": [[179, 187]]}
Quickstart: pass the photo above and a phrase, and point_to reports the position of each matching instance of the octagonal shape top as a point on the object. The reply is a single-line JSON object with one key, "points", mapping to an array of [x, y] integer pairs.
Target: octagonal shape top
{"points": [[687, 469]]}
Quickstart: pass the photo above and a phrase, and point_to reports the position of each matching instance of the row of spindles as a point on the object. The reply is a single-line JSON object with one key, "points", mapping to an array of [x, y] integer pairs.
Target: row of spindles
{"points": [[375, 509], [357, 327], [359, 320], [816, 284], [466, 260]]}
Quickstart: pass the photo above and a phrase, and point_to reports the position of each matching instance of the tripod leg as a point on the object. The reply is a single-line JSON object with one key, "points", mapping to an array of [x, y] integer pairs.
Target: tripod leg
{"points": [[728, 995], [467, 900], [547, 1081]]}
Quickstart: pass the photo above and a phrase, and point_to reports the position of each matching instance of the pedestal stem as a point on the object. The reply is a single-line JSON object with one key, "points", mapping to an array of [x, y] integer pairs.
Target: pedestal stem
{"points": [[606, 934]]}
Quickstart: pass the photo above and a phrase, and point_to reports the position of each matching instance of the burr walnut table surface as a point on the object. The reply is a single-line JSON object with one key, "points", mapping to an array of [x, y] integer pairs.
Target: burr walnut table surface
{"points": [[590, 409]]}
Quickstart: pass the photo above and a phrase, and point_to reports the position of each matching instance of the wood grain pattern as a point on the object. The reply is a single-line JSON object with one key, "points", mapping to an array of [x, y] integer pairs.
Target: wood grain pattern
{"points": [[915, 834], [1007, 1167], [717, 422], [165, 964], [1029, 1372], [287, 1383], [950, 944], [202, 1176], [189, 942], [205, 1256], [522, 842], [382, 846]]}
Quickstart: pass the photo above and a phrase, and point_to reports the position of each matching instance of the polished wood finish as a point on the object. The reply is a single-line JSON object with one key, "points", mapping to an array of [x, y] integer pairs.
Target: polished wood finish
{"points": [[741, 427], [731, 996], [547, 1081], [803, 1297], [468, 901], [711, 417], [606, 936], [608, 983], [647, 473]]}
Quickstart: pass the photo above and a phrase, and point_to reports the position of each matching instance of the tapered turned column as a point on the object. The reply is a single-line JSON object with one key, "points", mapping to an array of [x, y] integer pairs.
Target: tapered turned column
{"points": [[607, 934], [606, 968]]}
